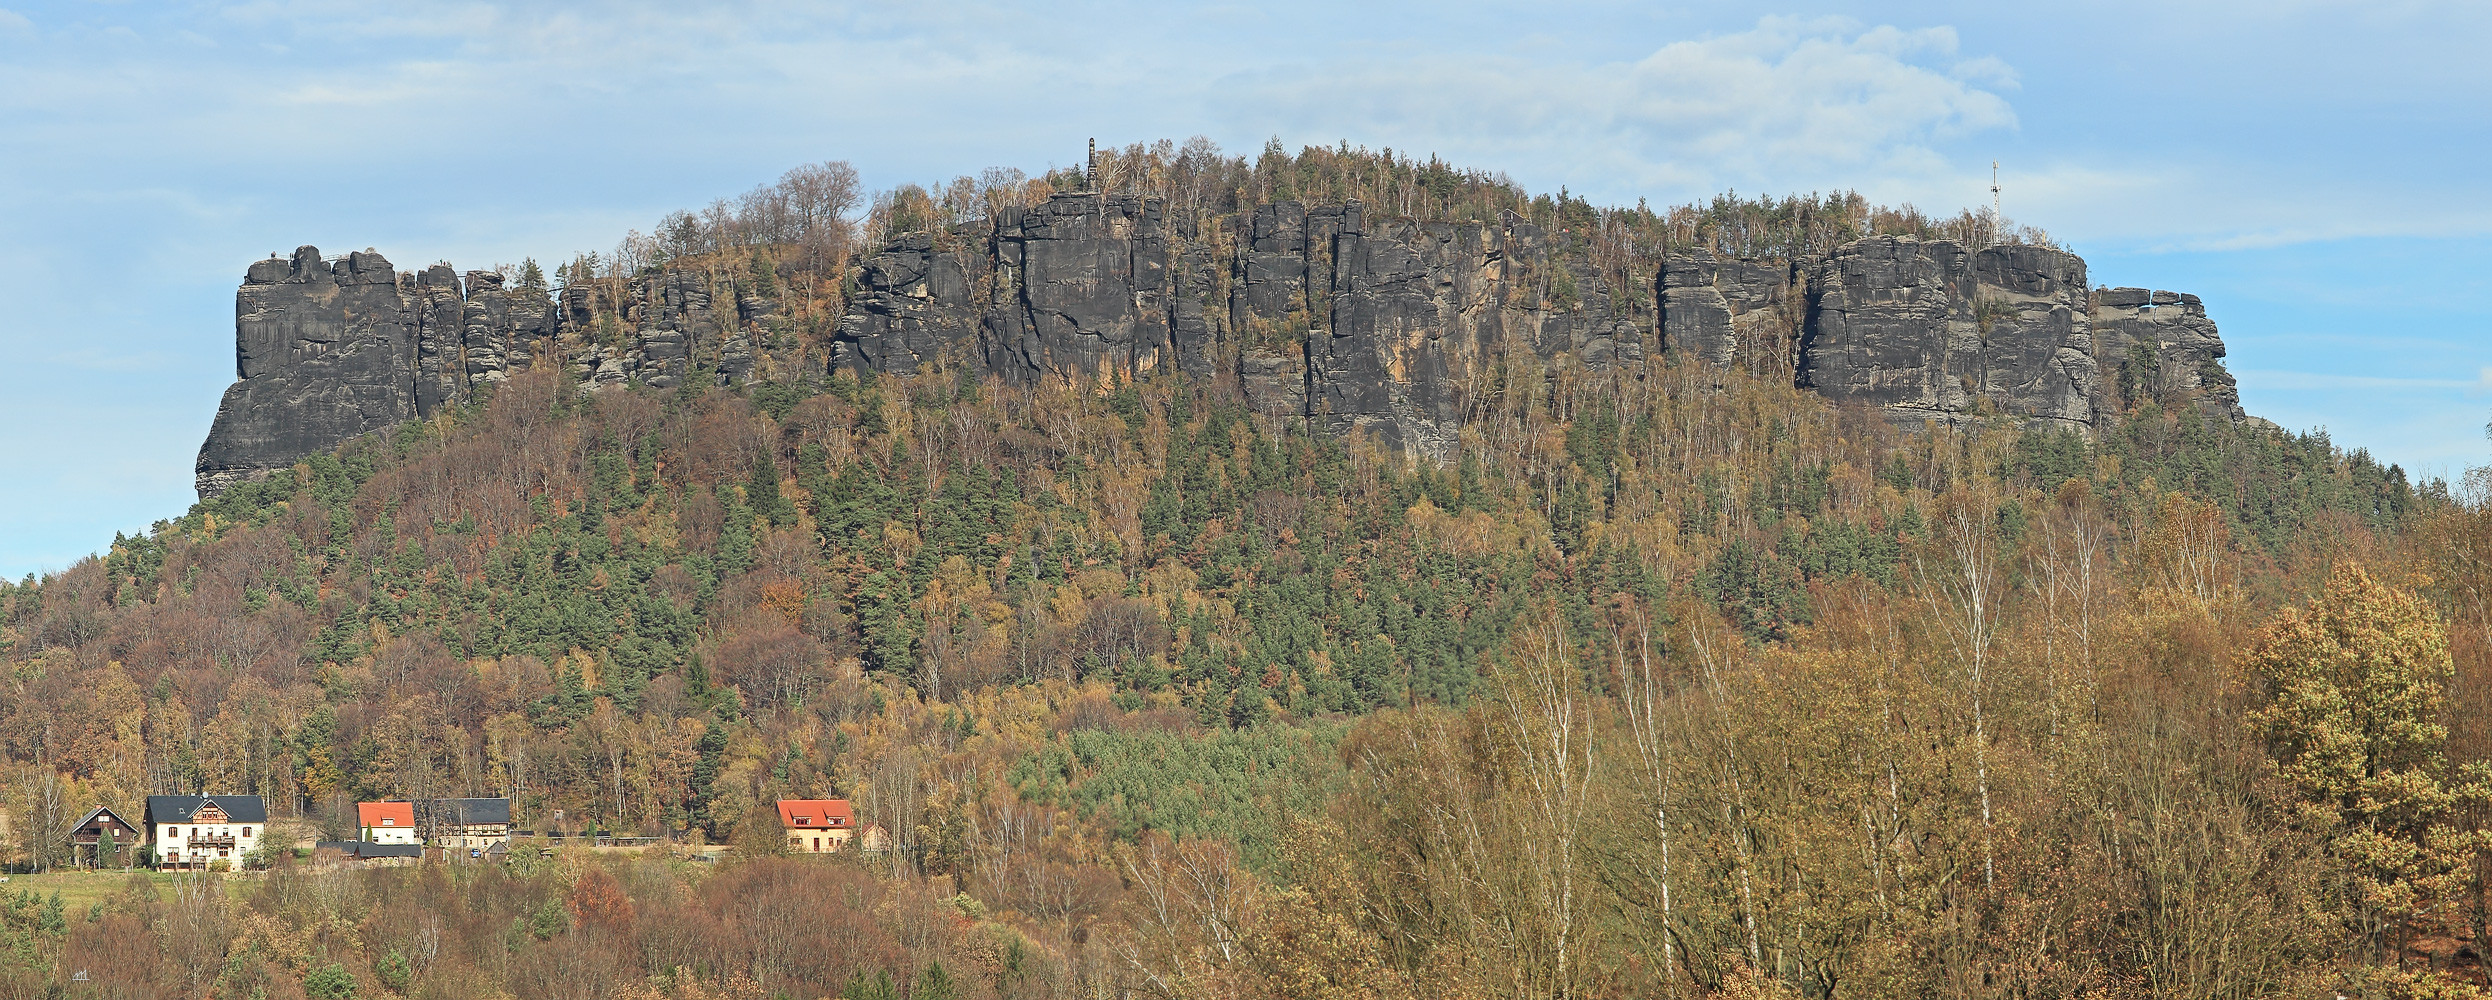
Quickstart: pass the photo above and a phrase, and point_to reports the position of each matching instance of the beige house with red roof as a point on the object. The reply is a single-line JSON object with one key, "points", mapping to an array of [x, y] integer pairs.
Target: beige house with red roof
{"points": [[387, 822], [817, 826]]}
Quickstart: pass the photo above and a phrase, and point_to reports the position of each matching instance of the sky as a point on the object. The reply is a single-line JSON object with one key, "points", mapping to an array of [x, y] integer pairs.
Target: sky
{"points": [[2312, 170]]}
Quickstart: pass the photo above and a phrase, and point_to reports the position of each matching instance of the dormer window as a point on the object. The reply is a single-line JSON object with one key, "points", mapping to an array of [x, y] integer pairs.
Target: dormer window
{"points": [[389, 821]]}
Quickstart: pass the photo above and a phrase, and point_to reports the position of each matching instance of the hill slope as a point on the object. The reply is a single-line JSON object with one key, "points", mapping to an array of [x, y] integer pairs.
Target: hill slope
{"points": [[1155, 689]]}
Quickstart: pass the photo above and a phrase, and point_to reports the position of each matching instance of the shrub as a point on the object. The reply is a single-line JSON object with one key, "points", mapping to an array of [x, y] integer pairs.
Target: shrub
{"points": [[330, 983]]}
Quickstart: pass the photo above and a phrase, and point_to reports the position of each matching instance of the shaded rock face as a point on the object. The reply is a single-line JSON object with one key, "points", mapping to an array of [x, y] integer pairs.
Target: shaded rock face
{"points": [[1079, 286], [1417, 309], [1730, 312], [2160, 343], [916, 304], [1929, 330], [329, 349], [322, 353], [1081, 289], [1317, 313]]}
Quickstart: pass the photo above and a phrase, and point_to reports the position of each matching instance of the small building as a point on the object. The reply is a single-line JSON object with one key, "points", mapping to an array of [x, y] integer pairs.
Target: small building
{"points": [[817, 826], [341, 851], [195, 831], [387, 822], [91, 832], [462, 825]]}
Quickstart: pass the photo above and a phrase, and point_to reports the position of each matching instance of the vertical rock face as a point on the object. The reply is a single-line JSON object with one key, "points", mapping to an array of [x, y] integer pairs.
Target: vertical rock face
{"points": [[2159, 343], [330, 349], [1732, 312], [1382, 326], [1929, 329], [1082, 289], [1317, 313], [441, 336], [915, 303], [1416, 308], [322, 353]]}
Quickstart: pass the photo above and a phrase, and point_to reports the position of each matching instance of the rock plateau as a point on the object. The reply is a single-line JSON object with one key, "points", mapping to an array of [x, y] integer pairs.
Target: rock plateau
{"points": [[1318, 312]]}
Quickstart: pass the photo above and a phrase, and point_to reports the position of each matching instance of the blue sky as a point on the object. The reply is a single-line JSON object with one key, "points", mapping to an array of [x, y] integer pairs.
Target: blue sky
{"points": [[2312, 169]]}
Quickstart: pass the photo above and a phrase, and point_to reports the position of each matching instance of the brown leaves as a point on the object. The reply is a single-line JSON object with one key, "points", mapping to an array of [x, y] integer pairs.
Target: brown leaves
{"points": [[597, 901]]}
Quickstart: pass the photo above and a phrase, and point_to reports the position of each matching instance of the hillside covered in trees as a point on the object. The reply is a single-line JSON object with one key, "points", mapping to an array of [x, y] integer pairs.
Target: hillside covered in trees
{"points": [[1674, 680]]}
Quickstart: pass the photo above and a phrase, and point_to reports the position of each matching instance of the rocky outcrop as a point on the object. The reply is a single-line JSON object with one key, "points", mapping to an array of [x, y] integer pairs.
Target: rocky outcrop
{"points": [[322, 352], [1931, 330], [917, 303], [1316, 313], [2160, 344], [1413, 309], [1321, 313], [330, 348], [1730, 312]]}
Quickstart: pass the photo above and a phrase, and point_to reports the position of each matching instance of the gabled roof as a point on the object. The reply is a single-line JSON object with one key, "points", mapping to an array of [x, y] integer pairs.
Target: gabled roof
{"points": [[106, 812], [180, 808], [385, 815], [466, 812], [816, 814]]}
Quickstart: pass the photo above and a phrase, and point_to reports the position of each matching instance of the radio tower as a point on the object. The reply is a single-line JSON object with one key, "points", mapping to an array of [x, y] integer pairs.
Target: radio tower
{"points": [[1996, 220], [1090, 168]]}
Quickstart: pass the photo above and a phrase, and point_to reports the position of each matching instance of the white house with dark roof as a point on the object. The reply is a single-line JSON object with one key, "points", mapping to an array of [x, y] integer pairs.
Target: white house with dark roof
{"points": [[474, 825], [194, 831]]}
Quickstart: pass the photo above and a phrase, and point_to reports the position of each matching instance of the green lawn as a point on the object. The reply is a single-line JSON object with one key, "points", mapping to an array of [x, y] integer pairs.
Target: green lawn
{"points": [[80, 889]]}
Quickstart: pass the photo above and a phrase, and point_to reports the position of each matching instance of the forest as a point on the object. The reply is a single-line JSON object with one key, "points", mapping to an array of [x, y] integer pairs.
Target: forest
{"points": [[1676, 682]]}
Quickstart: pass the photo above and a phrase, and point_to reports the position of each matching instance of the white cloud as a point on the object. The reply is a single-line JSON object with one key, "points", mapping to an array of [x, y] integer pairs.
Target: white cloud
{"points": [[1788, 98], [12, 22], [1801, 94]]}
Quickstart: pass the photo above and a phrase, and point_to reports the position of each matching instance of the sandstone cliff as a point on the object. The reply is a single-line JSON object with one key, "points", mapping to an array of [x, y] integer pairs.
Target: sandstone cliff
{"points": [[1321, 312], [329, 349], [1929, 330]]}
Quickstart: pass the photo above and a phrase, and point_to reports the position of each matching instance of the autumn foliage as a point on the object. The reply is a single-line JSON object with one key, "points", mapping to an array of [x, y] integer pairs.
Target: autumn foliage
{"points": [[1671, 682]]}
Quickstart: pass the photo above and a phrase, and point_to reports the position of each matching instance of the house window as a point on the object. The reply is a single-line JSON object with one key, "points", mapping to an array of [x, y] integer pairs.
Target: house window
{"points": [[173, 831], [389, 821], [246, 831]]}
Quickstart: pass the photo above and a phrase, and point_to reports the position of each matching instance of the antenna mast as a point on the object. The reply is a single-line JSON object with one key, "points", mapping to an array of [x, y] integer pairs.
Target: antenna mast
{"points": [[1996, 220], [1090, 167]]}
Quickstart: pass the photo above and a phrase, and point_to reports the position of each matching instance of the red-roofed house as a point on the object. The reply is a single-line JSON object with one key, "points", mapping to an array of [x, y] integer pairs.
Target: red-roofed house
{"points": [[817, 826], [387, 822]]}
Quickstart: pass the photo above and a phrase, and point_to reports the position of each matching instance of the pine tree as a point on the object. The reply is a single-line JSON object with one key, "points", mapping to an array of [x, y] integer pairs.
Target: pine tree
{"points": [[761, 493], [933, 984]]}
